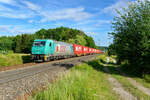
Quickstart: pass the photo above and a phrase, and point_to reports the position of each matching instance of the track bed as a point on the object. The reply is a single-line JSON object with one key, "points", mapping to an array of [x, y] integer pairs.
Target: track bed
{"points": [[17, 82]]}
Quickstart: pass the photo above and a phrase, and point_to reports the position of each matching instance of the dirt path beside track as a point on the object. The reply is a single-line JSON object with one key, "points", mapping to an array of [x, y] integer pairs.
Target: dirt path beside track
{"points": [[117, 87], [135, 83], [132, 81]]}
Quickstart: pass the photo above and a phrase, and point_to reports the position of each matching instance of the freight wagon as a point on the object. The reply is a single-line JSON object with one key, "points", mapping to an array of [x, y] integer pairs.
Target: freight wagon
{"points": [[85, 50], [46, 50], [77, 49]]}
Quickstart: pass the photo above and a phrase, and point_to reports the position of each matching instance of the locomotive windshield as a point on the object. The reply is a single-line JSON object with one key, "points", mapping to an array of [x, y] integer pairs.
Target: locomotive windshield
{"points": [[39, 43]]}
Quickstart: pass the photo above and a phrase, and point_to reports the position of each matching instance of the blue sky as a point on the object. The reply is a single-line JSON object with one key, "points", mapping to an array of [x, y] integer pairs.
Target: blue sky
{"points": [[94, 17]]}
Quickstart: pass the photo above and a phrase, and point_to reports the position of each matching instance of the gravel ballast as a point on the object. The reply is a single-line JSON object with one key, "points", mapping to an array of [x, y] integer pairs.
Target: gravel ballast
{"points": [[19, 83]]}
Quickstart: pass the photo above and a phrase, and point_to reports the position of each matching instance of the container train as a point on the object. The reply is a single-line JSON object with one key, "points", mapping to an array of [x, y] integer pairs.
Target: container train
{"points": [[46, 50]]}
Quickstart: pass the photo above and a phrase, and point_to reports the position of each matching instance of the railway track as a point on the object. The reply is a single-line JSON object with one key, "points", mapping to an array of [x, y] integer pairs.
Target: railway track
{"points": [[12, 75], [18, 82]]}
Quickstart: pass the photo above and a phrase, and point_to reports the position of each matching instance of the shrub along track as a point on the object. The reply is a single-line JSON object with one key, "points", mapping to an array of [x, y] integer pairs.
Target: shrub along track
{"points": [[14, 83]]}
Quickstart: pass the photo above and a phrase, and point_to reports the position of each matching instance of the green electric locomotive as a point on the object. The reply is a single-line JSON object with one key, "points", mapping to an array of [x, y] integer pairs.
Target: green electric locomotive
{"points": [[46, 49]]}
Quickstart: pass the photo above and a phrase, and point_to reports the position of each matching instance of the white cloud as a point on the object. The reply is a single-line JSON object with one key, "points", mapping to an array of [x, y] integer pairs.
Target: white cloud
{"points": [[7, 1], [3, 8], [94, 23], [75, 14], [32, 6], [8, 29], [15, 15], [12, 13], [4, 28], [118, 5], [10, 2], [30, 21], [29, 10], [15, 29]]}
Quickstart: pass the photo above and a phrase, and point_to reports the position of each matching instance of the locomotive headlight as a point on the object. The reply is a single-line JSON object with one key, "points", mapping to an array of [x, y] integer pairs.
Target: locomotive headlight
{"points": [[45, 58]]}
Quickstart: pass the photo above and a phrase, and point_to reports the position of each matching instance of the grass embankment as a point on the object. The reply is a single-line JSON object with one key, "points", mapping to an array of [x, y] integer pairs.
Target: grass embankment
{"points": [[144, 82], [125, 82], [127, 85], [11, 59], [89, 82], [142, 79], [83, 82]]}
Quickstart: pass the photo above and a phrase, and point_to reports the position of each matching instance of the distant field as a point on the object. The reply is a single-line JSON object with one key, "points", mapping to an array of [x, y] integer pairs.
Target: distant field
{"points": [[11, 59]]}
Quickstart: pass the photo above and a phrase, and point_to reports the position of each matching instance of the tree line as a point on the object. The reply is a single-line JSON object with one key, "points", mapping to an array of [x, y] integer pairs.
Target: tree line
{"points": [[23, 43], [132, 36]]}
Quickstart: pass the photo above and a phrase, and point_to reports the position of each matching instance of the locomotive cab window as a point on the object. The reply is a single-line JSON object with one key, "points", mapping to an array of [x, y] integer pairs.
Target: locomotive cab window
{"points": [[39, 43], [50, 44]]}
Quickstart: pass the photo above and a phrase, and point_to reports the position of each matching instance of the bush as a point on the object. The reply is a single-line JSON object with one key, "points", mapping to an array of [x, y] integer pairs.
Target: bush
{"points": [[132, 35]]}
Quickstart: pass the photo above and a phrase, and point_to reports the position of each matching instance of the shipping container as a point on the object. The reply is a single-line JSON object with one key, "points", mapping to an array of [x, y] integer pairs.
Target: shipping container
{"points": [[62, 49], [77, 49], [85, 50], [45, 50], [90, 50]]}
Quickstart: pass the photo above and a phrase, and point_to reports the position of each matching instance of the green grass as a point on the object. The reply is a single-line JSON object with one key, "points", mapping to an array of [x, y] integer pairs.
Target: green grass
{"points": [[83, 82], [124, 81], [142, 79], [127, 85], [13, 59], [89, 82]]}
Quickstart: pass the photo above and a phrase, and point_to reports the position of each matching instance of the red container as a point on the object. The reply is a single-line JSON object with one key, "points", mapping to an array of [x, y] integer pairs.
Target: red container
{"points": [[84, 50], [100, 51], [97, 51], [90, 50], [94, 50], [77, 49]]}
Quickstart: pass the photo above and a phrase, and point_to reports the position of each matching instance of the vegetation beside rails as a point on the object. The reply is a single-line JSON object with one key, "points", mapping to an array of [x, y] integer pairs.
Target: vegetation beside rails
{"points": [[125, 68], [83, 82], [131, 37], [89, 82], [143, 79], [132, 72], [11, 59], [126, 84]]}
